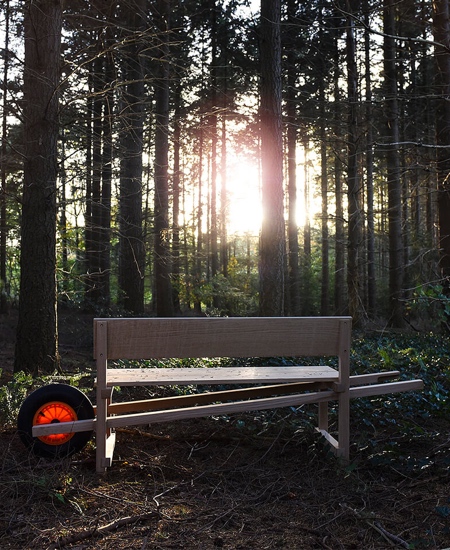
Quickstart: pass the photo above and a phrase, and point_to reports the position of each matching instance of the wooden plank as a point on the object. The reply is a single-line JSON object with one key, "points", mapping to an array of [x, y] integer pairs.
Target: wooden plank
{"points": [[161, 403], [106, 460], [218, 409], [204, 398], [101, 356], [64, 427], [390, 387], [225, 408], [219, 375], [223, 337], [373, 377], [344, 386], [330, 439]]}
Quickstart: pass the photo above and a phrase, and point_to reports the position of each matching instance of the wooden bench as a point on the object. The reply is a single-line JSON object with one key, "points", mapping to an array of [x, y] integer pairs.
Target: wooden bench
{"points": [[272, 387]]}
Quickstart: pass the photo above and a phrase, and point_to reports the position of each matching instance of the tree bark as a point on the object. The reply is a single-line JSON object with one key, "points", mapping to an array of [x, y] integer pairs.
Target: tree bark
{"points": [[441, 29], [371, 281], [340, 294], [131, 244], [354, 184], [37, 338], [396, 266], [292, 122], [3, 215], [272, 244], [164, 303]]}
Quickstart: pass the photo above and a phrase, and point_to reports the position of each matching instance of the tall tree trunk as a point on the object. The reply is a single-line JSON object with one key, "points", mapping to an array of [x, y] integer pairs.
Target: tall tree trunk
{"points": [[223, 191], [325, 264], [354, 184], [131, 243], [176, 191], [307, 284], [107, 160], [164, 303], [325, 282], [88, 235], [340, 295], [3, 213], [272, 244], [93, 237], [64, 283], [292, 121], [396, 266], [199, 228], [441, 29], [213, 126], [371, 282], [37, 336]]}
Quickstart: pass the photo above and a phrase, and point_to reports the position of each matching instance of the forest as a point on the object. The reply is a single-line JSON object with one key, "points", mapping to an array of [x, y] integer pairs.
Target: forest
{"points": [[228, 158], [223, 158]]}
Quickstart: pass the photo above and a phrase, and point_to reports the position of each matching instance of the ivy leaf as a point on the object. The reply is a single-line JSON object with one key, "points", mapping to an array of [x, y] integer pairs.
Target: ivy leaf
{"points": [[443, 511]]}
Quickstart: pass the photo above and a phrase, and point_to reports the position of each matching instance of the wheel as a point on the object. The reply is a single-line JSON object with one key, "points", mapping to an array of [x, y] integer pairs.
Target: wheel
{"points": [[48, 405]]}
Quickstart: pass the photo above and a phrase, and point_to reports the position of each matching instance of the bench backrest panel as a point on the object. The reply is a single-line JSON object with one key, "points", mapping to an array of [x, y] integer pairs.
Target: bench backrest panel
{"points": [[143, 338]]}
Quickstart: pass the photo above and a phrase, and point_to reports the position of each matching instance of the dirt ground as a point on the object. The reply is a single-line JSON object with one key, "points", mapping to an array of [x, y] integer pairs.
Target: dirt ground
{"points": [[251, 481]]}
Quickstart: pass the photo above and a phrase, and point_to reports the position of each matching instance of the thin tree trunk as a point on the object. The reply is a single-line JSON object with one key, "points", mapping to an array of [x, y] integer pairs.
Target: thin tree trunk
{"points": [[354, 184], [396, 266], [214, 139], [3, 213], [292, 121], [107, 151], [199, 228], [441, 28], [64, 283], [340, 295], [307, 290], [325, 268], [88, 178], [93, 278], [371, 281], [223, 189], [176, 191]]}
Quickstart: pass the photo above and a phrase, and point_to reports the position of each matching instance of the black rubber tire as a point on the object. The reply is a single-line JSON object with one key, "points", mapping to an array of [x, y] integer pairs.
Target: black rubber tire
{"points": [[64, 394]]}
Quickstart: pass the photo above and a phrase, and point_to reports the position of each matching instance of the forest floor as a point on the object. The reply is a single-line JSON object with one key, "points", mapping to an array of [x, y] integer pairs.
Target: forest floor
{"points": [[250, 481]]}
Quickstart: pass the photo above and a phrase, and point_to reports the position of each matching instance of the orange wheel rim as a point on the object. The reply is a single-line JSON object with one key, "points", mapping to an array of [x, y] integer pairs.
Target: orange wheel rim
{"points": [[54, 413]]}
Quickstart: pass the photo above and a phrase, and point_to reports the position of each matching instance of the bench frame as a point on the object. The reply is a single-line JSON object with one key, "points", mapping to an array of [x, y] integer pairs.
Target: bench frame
{"points": [[243, 337]]}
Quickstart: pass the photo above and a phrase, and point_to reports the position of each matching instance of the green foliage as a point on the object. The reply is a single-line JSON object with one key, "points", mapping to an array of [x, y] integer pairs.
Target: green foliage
{"points": [[393, 427], [12, 395], [431, 301], [14, 392]]}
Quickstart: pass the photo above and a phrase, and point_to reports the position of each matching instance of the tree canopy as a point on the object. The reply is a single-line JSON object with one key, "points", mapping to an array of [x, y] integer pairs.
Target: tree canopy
{"points": [[223, 158]]}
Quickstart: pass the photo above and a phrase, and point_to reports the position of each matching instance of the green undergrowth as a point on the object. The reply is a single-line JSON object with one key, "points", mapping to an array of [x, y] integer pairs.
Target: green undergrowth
{"points": [[389, 429], [386, 429], [13, 393]]}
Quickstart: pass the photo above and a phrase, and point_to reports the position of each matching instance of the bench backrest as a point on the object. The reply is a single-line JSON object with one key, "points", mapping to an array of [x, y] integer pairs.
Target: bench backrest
{"points": [[144, 338]]}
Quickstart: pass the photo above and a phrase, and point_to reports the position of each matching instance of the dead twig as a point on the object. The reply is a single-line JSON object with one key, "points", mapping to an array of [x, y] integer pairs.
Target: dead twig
{"points": [[100, 531], [394, 540]]}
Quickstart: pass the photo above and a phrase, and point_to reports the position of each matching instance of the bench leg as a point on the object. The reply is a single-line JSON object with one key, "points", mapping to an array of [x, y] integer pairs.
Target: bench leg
{"points": [[344, 426], [104, 437], [323, 416]]}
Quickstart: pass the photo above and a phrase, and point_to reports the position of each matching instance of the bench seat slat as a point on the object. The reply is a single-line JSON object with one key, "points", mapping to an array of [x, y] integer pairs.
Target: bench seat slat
{"points": [[220, 375]]}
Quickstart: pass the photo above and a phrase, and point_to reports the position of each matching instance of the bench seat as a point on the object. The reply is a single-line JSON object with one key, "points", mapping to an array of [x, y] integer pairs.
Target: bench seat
{"points": [[260, 387], [219, 375]]}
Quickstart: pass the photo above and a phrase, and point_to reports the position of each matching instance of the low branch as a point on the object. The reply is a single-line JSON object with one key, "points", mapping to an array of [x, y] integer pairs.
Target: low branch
{"points": [[413, 143]]}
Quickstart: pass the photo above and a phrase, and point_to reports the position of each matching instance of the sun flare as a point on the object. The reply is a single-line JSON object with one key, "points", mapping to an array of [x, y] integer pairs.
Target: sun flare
{"points": [[244, 196]]}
